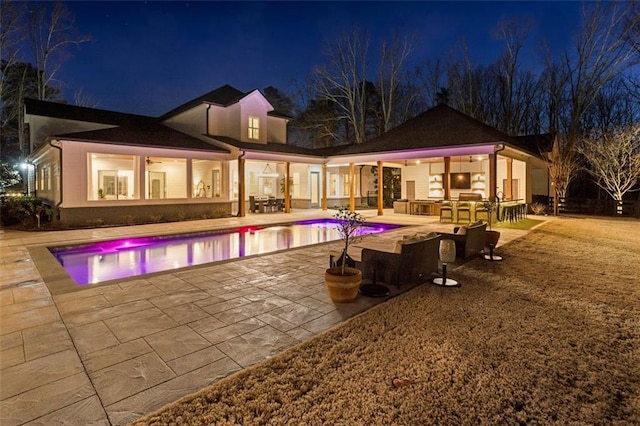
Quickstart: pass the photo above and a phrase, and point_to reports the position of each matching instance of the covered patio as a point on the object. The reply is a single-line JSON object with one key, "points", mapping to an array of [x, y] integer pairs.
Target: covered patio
{"points": [[441, 154]]}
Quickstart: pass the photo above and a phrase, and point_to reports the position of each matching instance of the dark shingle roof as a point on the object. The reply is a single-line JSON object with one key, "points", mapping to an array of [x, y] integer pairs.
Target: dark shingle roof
{"points": [[223, 96], [437, 127], [268, 147], [143, 134], [73, 112]]}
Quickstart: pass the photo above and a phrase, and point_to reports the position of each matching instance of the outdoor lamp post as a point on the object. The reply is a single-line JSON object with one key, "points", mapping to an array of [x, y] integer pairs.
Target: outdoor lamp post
{"points": [[27, 167], [447, 254]]}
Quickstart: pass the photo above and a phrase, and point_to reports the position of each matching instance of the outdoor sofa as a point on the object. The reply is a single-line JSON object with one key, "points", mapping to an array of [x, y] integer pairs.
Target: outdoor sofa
{"points": [[408, 259]]}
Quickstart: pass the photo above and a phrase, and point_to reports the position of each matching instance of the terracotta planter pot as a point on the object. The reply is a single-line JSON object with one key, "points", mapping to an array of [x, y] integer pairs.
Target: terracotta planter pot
{"points": [[343, 288]]}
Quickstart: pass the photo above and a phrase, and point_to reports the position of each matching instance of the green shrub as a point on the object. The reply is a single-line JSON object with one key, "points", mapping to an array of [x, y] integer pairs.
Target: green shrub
{"points": [[155, 218], [94, 223], [22, 210], [538, 208], [129, 219]]}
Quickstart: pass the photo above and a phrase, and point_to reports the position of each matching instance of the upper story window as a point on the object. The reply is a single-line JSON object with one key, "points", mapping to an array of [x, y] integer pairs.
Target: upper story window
{"points": [[254, 128]]}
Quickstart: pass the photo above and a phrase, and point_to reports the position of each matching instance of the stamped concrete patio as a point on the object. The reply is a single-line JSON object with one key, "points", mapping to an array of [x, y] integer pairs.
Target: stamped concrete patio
{"points": [[111, 353]]}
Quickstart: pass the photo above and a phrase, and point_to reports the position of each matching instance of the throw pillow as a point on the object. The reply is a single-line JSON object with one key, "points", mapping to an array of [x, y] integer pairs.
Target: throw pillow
{"points": [[462, 230]]}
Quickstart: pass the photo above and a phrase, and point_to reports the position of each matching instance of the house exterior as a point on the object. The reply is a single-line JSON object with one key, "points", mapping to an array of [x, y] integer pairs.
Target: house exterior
{"points": [[205, 158]]}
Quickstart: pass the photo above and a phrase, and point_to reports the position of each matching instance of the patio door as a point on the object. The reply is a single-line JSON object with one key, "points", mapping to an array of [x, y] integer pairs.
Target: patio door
{"points": [[411, 190], [157, 185], [315, 189]]}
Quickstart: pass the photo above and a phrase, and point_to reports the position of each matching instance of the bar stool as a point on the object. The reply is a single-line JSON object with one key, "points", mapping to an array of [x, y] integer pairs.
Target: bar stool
{"points": [[463, 207], [481, 210], [446, 211]]}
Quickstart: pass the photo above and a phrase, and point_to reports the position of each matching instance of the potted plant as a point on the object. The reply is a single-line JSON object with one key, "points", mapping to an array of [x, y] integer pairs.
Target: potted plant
{"points": [[343, 281], [491, 237]]}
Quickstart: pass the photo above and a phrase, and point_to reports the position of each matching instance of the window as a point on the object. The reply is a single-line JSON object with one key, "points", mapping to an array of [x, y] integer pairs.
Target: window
{"points": [[166, 178], [45, 178], [206, 175], [333, 184], [254, 128], [217, 185], [112, 176], [345, 184], [295, 190]]}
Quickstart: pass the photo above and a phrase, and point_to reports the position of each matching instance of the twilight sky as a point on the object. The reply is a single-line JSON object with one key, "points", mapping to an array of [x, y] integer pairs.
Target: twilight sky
{"points": [[149, 57]]}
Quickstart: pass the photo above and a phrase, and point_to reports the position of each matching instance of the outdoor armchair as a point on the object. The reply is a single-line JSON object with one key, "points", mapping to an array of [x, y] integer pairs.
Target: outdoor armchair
{"points": [[469, 240]]}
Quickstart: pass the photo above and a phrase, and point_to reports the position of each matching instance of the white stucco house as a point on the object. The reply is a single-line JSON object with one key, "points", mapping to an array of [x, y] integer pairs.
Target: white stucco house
{"points": [[207, 157]]}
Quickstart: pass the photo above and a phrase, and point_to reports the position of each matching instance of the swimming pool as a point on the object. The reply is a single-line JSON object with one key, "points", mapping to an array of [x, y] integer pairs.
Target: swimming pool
{"points": [[109, 260]]}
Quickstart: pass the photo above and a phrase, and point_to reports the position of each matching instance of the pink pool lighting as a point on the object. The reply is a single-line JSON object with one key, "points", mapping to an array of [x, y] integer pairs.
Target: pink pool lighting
{"points": [[109, 260]]}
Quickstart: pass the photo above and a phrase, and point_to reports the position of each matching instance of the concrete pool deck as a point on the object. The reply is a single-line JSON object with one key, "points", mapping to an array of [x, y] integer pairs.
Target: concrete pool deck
{"points": [[110, 353]]}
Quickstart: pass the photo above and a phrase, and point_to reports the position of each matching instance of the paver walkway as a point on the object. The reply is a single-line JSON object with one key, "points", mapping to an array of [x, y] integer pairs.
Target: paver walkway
{"points": [[112, 353]]}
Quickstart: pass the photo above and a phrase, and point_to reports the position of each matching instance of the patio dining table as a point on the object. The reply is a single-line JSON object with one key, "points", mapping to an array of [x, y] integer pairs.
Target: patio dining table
{"points": [[263, 203]]}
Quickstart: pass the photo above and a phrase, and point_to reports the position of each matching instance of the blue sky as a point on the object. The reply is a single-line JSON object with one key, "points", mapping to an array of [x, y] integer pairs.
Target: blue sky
{"points": [[148, 57]]}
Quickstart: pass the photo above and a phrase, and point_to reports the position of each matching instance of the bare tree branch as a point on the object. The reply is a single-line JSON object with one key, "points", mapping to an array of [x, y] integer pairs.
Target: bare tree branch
{"points": [[11, 37], [392, 64], [601, 53], [51, 32], [614, 160], [562, 166]]}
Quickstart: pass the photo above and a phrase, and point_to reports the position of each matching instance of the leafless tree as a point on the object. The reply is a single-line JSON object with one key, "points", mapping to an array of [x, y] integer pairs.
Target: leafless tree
{"points": [[601, 53], [573, 85], [430, 78], [393, 56], [11, 37], [82, 99], [633, 37], [465, 85], [343, 81], [515, 88], [614, 105], [52, 32], [614, 160], [562, 165]]}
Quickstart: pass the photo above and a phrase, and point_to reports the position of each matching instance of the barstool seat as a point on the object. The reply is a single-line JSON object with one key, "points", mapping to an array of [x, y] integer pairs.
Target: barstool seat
{"points": [[446, 211], [463, 207]]}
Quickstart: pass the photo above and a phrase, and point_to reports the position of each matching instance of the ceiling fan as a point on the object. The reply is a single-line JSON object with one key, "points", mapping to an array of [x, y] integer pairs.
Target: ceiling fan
{"points": [[149, 161]]}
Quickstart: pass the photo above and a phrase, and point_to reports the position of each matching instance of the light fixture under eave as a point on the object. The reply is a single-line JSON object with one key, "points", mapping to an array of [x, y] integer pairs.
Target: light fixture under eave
{"points": [[268, 172]]}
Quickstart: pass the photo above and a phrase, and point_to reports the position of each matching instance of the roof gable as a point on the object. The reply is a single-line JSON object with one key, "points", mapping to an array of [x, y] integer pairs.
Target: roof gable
{"points": [[437, 127], [257, 95], [223, 96]]}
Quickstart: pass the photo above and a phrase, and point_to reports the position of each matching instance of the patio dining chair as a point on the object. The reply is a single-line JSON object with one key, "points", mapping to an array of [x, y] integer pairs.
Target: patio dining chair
{"points": [[253, 206], [271, 205]]}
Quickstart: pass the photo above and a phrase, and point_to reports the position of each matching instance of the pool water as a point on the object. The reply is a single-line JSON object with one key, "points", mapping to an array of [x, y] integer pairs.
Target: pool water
{"points": [[109, 260]]}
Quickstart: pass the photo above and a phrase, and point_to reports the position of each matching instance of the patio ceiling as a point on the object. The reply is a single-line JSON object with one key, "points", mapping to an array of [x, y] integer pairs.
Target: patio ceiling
{"points": [[425, 154]]}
